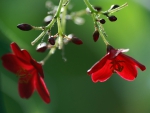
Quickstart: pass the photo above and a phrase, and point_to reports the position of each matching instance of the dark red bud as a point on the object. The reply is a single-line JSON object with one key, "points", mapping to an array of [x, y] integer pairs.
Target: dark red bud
{"points": [[98, 8], [76, 40], [95, 35], [102, 21], [109, 48], [42, 47], [24, 27], [112, 18], [51, 40]]}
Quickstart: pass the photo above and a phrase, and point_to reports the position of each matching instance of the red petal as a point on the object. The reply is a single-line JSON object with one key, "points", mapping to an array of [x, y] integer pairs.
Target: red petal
{"points": [[98, 65], [102, 74], [26, 55], [38, 67], [15, 48], [129, 71], [13, 64], [26, 88], [42, 89], [22, 54], [135, 62]]}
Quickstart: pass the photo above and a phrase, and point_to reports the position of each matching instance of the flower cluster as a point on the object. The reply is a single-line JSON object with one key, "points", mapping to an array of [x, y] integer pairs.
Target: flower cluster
{"points": [[30, 72], [114, 61]]}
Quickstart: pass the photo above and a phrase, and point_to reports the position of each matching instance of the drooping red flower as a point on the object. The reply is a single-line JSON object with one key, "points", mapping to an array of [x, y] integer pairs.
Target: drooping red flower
{"points": [[115, 62], [30, 72]]}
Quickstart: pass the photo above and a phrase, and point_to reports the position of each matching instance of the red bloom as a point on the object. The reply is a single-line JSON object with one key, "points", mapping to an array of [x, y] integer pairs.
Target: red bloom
{"points": [[30, 73], [115, 62]]}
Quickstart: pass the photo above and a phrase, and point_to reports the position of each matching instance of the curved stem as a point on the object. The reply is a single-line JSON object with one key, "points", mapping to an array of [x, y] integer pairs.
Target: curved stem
{"points": [[100, 29], [52, 51], [50, 24], [38, 38], [117, 9], [98, 25], [90, 6], [61, 29], [59, 9]]}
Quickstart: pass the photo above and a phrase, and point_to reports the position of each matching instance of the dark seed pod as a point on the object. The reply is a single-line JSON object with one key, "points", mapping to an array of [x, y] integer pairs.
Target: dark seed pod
{"points": [[95, 35], [24, 27], [102, 21], [112, 18], [98, 8], [51, 40], [76, 40], [114, 6], [42, 47]]}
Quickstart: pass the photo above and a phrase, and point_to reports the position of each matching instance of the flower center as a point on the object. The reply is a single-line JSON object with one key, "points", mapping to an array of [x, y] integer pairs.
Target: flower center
{"points": [[24, 75], [116, 65]]}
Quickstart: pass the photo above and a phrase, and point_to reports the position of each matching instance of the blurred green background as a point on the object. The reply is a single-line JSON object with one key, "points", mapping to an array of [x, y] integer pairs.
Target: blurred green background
{"points": [[71, 89]]}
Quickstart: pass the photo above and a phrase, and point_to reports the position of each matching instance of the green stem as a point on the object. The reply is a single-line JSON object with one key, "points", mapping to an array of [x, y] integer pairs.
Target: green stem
{"points": [[61, 29], [60, 33], [98, 26], [52, 51], [63, 19], [50, 24], [78, 14], [90, 6], [59, 9], [117, 9], [110, 11], [38, 38]]}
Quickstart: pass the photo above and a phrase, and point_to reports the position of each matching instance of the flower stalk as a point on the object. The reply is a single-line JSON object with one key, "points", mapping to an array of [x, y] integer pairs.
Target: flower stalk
{"points": [[96, 15], [50, 24], [61, 29]]}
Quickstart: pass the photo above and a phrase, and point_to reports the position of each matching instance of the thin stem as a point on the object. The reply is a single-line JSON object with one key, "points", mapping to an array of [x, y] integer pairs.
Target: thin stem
{"points": [[60, 33], [38, 38], [103, 35], [78, 14], [110, 11], [97, 24], [90, 6], [100, 29], [61, 29], [63, 19], [52, 51], [50, 24], [59, 9], [117, 9]]}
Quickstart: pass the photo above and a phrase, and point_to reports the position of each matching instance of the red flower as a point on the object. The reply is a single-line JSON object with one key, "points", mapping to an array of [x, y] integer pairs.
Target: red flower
{"points": [[115, 62], [30, 73]]}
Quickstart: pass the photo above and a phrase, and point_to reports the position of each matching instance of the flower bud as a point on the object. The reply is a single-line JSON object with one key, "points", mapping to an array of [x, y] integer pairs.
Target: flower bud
{"points": [[48, 19], [51, 40], [112, 18], [79, 21], [95, 35], [114, 6], [76, 40], [24, 27], [98, 8], [102, 21], [41, 47]]}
